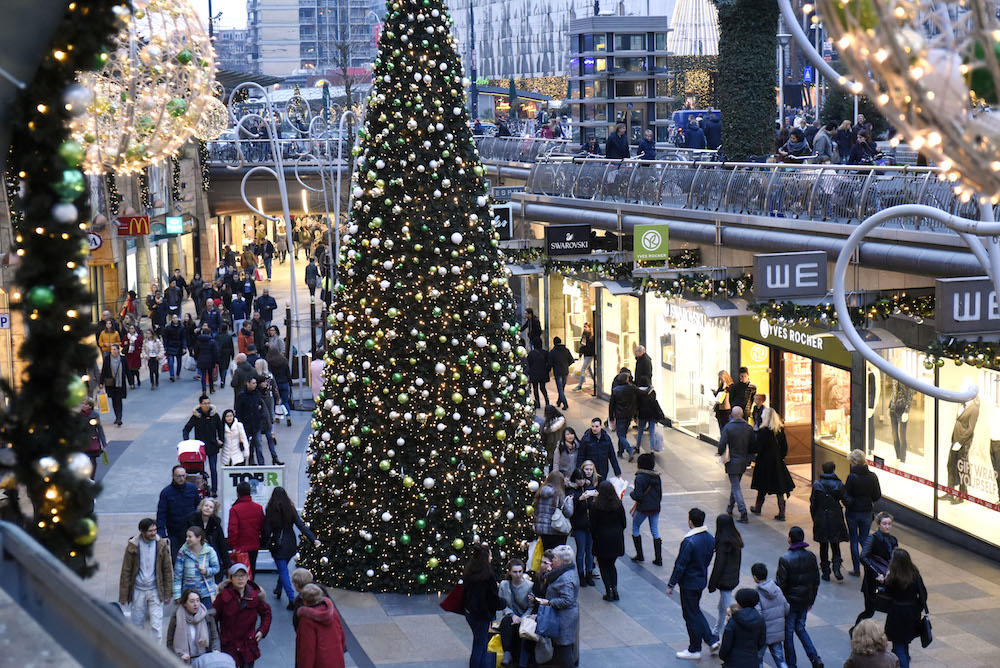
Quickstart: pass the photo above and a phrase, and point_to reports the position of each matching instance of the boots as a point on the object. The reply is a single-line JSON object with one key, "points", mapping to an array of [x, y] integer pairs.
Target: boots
{"points": [[657, 552], [781, 508], [637, 541]]}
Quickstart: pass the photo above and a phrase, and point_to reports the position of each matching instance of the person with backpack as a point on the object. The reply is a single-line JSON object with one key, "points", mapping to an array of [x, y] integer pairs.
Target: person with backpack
{"points": [[829, 527]]}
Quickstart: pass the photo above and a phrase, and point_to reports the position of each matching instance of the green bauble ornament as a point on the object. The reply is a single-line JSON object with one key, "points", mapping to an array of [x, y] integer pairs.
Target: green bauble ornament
{"points": [[369, 344], [439, 412], [366, 430], [369, 548], [397, 377], [392, 312], [432, 562], [184, 57], [456, 397], [71, 152], [177, 107], [71, 186], [407, 482], [537, 472], [501, 435], [487, 455], [459, 501], [86, 532], [458, 543], [494, 366], [422, 579], [421, 524], [355, 441], [76, 392], [41, 296], [384, 464], [501, 540], [453, 460], [405, 539], [530, 510]]}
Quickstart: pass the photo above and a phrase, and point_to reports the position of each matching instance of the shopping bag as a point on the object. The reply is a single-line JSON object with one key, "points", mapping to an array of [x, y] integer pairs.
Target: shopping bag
{"points": [[257, 275], [455, 600], [241, 557], [620, 485], [496, 646], [166, 366], [527, 628], [535, 550], [656, 442], [102, 403], [926, 636], [190, 363], [547, 623]]}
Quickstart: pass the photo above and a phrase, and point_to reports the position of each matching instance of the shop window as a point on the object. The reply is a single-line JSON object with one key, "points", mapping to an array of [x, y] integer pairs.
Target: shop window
{"points": [[594, 65], [661, 41], [660, 63], [899, 432], [662, 88], [832, 412], [619, 335], [630, 42], [630, 89], [630, 64], [797, 399], [969, 453]]}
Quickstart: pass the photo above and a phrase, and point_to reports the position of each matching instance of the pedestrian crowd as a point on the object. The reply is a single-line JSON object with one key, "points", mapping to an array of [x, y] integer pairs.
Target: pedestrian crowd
{"points": [[809, 140]]}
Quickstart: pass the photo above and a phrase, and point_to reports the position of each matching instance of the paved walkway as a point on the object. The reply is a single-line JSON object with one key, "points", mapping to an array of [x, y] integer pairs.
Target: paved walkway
{"points": [[644, 628]]}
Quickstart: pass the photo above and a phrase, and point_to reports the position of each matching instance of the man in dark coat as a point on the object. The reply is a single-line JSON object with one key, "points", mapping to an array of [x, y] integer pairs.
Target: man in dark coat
{"points": [[713, 131], [829, 527], [736, 436], [643, 363], [177, 500], [207, 426], [172, 297], [206, 353], [617, 145], [266, 305], [798, 579], [560, 360], [174, 344], [211, 316], [596, 446], [532, 328], [691, 575], [538, 371], [251, 411], [244, 371], [695, 137], [742, 392], [622, 409]]}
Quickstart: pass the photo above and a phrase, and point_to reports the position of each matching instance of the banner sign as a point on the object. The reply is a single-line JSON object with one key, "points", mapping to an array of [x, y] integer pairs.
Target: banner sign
{"points": [[131, 226], [175, 225], [651, 242], [789, 275], [801, 339], [94, 240], [966, 306], [503, 193], [567, 240], [263, 480]]}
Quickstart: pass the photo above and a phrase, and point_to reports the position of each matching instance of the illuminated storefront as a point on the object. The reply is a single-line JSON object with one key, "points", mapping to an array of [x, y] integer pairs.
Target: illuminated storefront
{"points": [[618, 335]]}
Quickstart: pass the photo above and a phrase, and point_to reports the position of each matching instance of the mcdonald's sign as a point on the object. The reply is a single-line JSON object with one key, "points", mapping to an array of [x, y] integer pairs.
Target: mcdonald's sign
{"points": [[130, 226]]}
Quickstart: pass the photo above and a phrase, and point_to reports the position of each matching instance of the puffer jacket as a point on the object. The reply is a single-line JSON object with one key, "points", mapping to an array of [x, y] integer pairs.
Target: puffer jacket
{"points": [[546, 505], [798, 576], [861, 490], [235, 444], [187, 574], [774, 609], [743, 638], [206, 352], [580, 521], [648, 491], [829, 525], [153, 349], [624, 403], [174, 339]]}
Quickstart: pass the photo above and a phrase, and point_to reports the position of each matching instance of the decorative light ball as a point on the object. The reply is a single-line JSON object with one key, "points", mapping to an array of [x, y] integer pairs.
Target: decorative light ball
{"points": [[428, 483], [533, 486], [77, 99], [80, 465], [214, 118], [421, 579], [76, 392], [386, 516], [65, 213], [407, 481], [370, 573], [86, 532], [487, 455]]}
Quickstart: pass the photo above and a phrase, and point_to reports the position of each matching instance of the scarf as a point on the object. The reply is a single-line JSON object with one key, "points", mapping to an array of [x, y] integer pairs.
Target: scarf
{"points": [[182, 632]]}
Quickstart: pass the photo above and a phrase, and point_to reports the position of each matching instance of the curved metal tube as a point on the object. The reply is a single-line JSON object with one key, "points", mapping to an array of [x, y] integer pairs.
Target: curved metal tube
{"points": [[840, 300], [792, 23]]}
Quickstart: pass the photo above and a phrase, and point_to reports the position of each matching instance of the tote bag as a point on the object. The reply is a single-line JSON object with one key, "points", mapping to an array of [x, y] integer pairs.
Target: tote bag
{"points": [[455, 600]]}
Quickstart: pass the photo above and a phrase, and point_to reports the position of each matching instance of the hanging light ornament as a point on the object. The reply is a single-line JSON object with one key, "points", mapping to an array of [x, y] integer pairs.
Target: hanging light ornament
{"points": [[214, 119], [149, 97], [933, 69]]}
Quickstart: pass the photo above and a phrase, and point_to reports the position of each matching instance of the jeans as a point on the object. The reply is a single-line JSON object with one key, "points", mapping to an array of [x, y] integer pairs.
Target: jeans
{"points": [[270, 442], [255, 449], [213, 466], [584, 550], [561, 390], [223, 370], [725, 600], [777, 653], [644, 425], [154, 371], [795, 625], [858, 524], [146, 604], [736, 493], [176, 540], [480, 658], [285, 390], [694, 620], [898, 435], [902, 650], [172, 361], [206, 380], [588, 363], [283, 579], [267, 267], [654, 523], [621, 428]]}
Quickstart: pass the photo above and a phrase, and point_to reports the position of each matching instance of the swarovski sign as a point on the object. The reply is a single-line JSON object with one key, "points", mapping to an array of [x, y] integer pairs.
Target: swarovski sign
{"points": [[789, 275], [567, 240], [966, 306]]}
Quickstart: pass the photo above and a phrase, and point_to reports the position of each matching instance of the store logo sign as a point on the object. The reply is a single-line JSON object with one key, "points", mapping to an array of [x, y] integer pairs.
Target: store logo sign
{"points": [[567, 240], [651, 242], [770, 329], [130, 226], [789, 275], [758, 354], [966, 306]]}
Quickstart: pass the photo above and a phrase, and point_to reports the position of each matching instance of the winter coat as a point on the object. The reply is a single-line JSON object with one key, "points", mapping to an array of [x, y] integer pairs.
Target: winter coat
{"points": [[187, 573], [624, 403], [174, 507], [153, 349], [207, 429], [829, 525], [280, 538], [599, 450], [695, 137], [875, 557], [562, 587], [580, 521], [246, 525], [883, 659], [691, 565], [251, 411], [587, 346], [560, 360], [248, 288], [649, 407], [238, 621], [266, 305], [644, 367], [130, 570], [608, 529], [244, 371], [216, 537], [906, 607], [823, 147], [319, 637], [546, 506], [742, 394], [726, 570], [134, 350], [226, 352], [280, 371], [239, 309], [235, 443], [798, 576], [244, 339], [174, 339], [106, 339], [481, 599], [538, 366], [565, 461], [770, 474], [648, 491], [210, 625], [744, 637], [774, 608], [552, 435], [843, 140], [737, 435], [112, 378], [647, 150], [312, 275], [965, 425], [213, 318], [861, 490], [617, 147], [713, 132], [173, 296]]}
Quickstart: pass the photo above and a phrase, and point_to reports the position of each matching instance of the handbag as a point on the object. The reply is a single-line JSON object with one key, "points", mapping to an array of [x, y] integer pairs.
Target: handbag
{"points": [[882, 601], [455, 600], [926, 636], [527, 629], [560, 523], [547, 623]]}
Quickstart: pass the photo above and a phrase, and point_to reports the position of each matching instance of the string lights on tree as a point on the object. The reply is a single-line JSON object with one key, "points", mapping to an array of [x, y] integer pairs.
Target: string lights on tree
{"points": [[424, 436]]}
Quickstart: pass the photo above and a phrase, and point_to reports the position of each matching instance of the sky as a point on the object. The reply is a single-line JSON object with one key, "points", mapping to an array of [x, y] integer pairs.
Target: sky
{"points": [[234, 12]]}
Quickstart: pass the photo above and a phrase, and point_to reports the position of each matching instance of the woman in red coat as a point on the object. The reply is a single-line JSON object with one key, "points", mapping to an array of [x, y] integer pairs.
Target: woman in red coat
{"points": [[319, 639], [132, 349], [237, 608]]}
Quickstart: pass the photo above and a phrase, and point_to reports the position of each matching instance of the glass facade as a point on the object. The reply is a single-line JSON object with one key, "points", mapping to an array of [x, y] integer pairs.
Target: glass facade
{"points": [[661, 41], [619, 335], [630, 89], [630, 64], [594, 65], [630, 42], [594, 42]]}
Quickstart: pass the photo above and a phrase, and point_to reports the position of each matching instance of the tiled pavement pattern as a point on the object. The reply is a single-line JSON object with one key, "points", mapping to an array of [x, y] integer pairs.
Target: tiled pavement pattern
{"points": [[644, 628]]}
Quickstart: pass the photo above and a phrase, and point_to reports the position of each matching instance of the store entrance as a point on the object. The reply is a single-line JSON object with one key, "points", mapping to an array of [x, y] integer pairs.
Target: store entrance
{"points": [[795, 385]]}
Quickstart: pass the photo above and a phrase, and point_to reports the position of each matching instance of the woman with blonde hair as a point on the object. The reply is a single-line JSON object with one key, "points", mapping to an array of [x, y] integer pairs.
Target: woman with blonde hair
{"points": [[154, 355], [723, 408], [549, 498], [869, 648], [770, 474]]}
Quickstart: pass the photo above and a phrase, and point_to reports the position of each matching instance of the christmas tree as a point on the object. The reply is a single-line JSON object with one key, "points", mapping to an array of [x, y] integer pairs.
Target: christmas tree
{"points": [[424, 434]]}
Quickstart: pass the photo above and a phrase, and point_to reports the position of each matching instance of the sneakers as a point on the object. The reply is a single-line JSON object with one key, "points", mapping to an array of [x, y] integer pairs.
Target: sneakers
{"points": [[715, 646], [744, 519], [690, 656]]}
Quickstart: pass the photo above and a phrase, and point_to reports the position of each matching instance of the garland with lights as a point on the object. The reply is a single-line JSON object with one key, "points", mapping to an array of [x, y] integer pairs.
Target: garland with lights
{"points": [[424, 440], [686, 259], [42, 426], [175, 179], [976, 353], [698, 286], [114, 197], [915, 307], [145, 197], [206, 172], [12, 184]]}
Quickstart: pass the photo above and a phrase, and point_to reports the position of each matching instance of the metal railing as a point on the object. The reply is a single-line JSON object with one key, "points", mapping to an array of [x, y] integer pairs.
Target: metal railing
{"points": [[258, 151], [521, 149], [836, 193]]}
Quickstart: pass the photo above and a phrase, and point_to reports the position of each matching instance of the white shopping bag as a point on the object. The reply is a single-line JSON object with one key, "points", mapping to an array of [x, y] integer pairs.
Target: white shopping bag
{"points": [[620, 485]]}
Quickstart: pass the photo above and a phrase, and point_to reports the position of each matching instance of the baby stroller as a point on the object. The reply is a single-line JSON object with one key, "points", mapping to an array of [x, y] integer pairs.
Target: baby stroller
{"points": [[191, 455]]}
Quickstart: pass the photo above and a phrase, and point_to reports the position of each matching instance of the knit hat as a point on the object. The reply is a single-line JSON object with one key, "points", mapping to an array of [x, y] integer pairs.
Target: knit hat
{"points": [[747, 598]]}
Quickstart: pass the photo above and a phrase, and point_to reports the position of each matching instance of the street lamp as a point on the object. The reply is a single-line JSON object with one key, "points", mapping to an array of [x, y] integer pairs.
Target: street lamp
{"points": [[783, 40]]}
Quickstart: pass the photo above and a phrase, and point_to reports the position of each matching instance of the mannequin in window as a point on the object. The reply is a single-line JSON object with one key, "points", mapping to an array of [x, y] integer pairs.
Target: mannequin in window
{"points": [[899, 414], [961, 441], [873, 392]]}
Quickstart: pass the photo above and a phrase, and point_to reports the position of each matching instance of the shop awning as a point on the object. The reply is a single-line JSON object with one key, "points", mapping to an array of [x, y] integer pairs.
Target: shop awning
{"points": [[724, 308], [876, 338], [618, 287], [525, 269]]}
